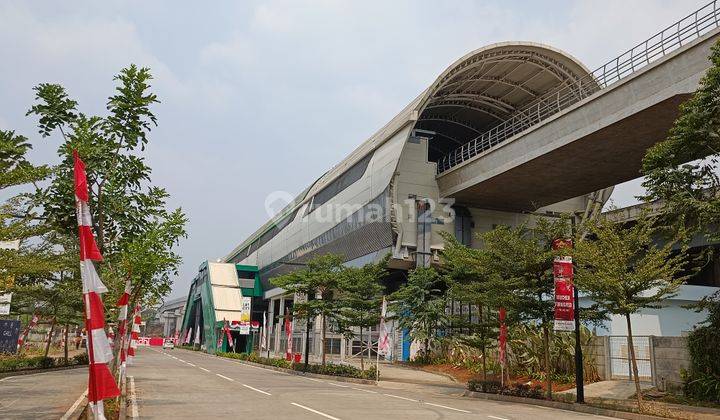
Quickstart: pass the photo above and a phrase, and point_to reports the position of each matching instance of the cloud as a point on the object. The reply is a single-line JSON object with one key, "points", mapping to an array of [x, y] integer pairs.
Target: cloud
{"points": [[265, 96]]}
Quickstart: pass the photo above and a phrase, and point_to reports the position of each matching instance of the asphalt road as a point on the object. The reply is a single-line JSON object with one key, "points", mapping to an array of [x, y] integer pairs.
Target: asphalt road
{"points": [[184, 384], [42, 395]]}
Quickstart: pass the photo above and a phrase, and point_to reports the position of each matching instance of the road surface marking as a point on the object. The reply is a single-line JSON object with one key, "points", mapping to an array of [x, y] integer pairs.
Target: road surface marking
{"points": [[133, 399], [202, 368], [498, 418], [190, 364], [181, 360], [315, 411], [402, 398], [312, 379], [74, 407], [255, 389], [225, 377], [364, 390], [449, 408], [338, 385]]}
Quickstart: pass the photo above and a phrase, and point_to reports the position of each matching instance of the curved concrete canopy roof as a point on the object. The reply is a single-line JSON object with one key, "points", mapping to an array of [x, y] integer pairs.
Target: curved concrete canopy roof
{"points": [[489, 85], [476, 92]]}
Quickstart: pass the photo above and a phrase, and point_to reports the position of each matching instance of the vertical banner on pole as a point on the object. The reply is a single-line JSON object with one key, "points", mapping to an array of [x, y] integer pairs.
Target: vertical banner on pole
{"points": [[564, 288]]}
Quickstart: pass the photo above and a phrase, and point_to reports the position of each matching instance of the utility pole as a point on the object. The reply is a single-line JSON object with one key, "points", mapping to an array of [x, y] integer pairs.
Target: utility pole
{"points": [[579, 374]]}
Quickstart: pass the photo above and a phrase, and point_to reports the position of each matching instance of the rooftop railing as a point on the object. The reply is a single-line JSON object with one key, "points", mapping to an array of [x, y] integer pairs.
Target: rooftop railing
{"points": [[671, 38]]}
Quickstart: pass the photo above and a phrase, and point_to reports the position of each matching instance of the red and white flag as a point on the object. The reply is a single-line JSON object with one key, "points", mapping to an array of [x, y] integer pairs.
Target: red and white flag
{"points": [[101, 384], [264, 333], [122, 304], [134, 335], [33, 322], [226, 329], [384, 339], [288, 333]]}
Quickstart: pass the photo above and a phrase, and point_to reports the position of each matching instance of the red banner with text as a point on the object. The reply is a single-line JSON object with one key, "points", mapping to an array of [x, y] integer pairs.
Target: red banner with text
{"points": [[564, 289]]}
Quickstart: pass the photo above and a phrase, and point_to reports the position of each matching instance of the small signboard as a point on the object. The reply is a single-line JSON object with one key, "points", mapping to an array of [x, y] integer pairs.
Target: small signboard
{"points": [[4, 309], [9, 334]]}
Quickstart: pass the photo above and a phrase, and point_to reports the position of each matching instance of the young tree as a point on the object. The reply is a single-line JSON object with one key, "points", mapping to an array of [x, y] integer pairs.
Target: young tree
{"points": [[359, 300], [130, 214], [419, 306], [471, 280], [319, 281], [623, 270], [523, 257], [18, 214]]}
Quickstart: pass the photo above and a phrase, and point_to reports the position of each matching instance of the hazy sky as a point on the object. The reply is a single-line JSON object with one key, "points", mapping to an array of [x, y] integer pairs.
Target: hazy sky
{"points": [[265, 96]]}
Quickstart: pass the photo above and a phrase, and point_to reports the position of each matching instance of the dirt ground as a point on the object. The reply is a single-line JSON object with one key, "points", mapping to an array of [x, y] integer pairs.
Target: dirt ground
{"points": [[463, 375]]}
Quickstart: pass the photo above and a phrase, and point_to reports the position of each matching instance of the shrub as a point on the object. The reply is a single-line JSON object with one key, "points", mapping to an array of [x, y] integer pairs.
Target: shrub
{"points": [[329, 369], [80, 359], [702, 380], [17, 363], [337, 370], [515, 390]]}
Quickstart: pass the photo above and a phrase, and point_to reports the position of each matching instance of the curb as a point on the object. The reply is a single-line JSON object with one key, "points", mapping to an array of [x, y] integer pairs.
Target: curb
{"points": [[33, 371], [294, 372], [301, 373], [580, 408], [78, 411]]}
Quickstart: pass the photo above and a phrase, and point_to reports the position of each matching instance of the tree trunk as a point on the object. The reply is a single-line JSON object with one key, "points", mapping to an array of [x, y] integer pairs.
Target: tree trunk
{"points": [[548, 369], [67, 327], [481, 320], [47, 345], [323, 340], [362, 350], [631, 350]]}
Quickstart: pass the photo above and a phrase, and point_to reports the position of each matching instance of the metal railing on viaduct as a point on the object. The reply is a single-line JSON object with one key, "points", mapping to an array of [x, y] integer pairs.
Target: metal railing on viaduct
{"points": [[671, 38]]}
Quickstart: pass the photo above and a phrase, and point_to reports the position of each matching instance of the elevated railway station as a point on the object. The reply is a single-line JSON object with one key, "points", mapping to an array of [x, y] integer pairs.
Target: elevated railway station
{"points": [[508, 129]]}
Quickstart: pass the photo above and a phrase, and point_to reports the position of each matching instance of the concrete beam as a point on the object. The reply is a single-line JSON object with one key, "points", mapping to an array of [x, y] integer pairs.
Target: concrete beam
{"points": [[597, 143]]}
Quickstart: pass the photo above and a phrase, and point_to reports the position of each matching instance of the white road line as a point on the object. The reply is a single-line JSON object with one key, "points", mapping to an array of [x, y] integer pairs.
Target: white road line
{"points": [[190, 364], [315, 411], [338, 385], [399, 397], [133, 399], [74, 407], [181, 360], [255, 389], [497, 418], [449, 408], [225, 377], [312, 379], [365, 390], [202, 368]]}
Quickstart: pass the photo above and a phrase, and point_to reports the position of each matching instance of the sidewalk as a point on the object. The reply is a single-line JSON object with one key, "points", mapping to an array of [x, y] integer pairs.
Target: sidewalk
{"points": [[617, 389]]}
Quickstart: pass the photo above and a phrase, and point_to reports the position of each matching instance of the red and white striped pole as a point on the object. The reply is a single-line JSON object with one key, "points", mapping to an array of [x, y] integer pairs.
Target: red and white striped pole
{"points": [[134, 335], [101, 384], [122, 326]]}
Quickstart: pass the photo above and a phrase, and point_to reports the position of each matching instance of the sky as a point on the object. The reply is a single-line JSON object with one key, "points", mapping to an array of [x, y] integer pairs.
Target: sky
{"points": [[264, 96]]}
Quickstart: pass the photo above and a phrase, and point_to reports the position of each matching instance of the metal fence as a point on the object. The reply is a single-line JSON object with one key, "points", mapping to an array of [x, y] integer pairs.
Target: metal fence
{"points": [[671, 38], [620, 363]]}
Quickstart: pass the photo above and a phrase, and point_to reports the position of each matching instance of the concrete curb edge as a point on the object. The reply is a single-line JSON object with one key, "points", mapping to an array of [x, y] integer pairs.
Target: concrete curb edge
{"points": [[580, 408], [34, 371]]}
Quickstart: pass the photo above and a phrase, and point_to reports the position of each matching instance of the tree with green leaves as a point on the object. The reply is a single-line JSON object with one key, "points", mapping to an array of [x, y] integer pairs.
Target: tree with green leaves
{"points": [[623, 269], [318, 283], [419, 306], [136, 232], [702, 379], [524, 257], [19, 222], [359, 300], [682, 170], [472, 280]]}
